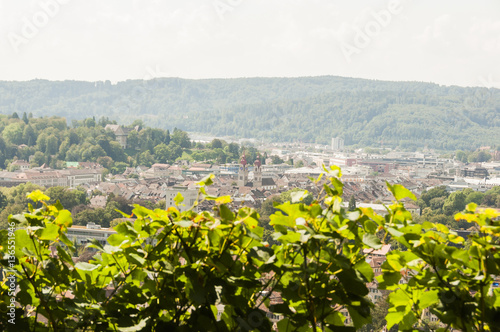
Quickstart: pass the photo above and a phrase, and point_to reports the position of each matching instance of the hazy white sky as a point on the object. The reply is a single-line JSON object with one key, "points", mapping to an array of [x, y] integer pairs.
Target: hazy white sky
{"points": [[447, 42]]}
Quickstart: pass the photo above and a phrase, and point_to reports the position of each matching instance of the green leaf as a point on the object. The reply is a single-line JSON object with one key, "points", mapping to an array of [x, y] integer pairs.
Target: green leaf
{"points": [[138, 327], [64, 255], [86, 266], [226, 213], [285, 325], [461, 255], [393, 318], [178, 199], [370, 226], [266, 255], [335, 171], [471, 207], [290, 237], [58, 205], [408, 321], [428, 225], [50, 232], [372, 241], [223, 200], [37, 195], [298, 196], [400, 192], [64, 239], [136, 259], [24, 241], [335, 318], [399, 298], [117, 239], [428, 298], [394, 232], [365, 269], [388, 279], [184, 223], [141, 211], [64, 218], [206, 181], [279, 219]]}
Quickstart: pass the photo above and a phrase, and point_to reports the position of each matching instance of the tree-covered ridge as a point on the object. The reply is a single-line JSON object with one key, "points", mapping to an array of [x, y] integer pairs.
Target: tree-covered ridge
{"points": [[51, 141], [210, 271], [364, 112]]}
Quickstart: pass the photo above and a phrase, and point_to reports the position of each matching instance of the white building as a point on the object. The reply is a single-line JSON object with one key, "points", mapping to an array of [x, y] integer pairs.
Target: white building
{"points": [[190, 196], [81, 235], [337, 144], [43, 178], [66, 178], [76, 177]]}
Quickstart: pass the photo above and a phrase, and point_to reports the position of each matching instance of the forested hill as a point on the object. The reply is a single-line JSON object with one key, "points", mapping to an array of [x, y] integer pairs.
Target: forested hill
{"points": [[308, 109]]}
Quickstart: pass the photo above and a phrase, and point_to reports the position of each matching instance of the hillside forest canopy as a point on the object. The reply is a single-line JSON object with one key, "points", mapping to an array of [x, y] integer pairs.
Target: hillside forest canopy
{"points": [[409, 115], [51, 141]]}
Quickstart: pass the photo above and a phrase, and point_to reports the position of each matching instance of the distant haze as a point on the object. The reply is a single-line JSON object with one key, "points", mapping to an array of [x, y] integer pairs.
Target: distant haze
{"points": [[310, 109], [445, 42]]}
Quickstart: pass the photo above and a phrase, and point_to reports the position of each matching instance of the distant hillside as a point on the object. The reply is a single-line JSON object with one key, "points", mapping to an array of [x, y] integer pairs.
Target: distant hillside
{"points": [[309, 109]]}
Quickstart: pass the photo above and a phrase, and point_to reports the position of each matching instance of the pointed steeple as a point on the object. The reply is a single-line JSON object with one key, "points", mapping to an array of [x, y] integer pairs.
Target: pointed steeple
{"points": [[243, 172]]}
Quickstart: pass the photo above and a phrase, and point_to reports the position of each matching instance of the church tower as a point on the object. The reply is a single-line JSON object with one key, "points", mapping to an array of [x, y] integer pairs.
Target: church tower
{"points": [[243, 172], [257, 173]]}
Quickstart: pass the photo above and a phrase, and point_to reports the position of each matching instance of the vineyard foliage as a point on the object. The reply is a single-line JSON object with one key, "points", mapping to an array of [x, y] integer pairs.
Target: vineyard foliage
{"points": [[211, 271]]}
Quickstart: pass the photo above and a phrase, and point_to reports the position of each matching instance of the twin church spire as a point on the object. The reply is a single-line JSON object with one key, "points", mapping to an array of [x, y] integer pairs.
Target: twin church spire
{"points": [[243, 172]]}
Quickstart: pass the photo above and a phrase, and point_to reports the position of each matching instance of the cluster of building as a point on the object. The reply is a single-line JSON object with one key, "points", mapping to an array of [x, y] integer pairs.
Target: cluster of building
{"points": [[364, 179], [44, 176]]}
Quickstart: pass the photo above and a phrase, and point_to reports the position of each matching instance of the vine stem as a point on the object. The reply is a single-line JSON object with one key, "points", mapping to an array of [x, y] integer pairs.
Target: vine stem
{"points": [[44, 303]]}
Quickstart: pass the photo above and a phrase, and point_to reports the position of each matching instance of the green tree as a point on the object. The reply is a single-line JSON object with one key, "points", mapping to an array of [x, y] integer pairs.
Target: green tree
{"points": [[427, 196], [299, 164], [276, 160], [3, 201], [104, 143], [52, 145], [174, 151], [133, 140], [461, 156], [162, 153], [97, 216], [38, 159], [216, 143], [63, 149], [437, 203], [41, 142], [352, 203], [454, 203], [89, 122], [119, 167], [116, 151], [474, 197], [167, 137], [181, 138], [479, 156], [68, 198], [146, 159], [13, 133], [29, 136]]}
